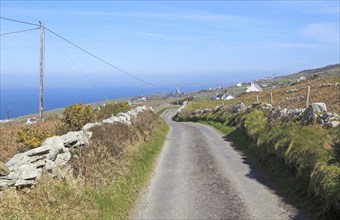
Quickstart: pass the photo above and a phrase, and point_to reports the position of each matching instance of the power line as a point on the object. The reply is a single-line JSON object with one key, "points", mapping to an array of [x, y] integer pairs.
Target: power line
{"points": [[22, 22], [14, 32], [80, 48], [71, 60], [98, 58]]}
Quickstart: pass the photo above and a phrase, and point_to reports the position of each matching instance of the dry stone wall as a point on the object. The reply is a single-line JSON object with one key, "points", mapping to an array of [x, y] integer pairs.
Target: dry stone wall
{"points": [[23, 169], [316, 113]]}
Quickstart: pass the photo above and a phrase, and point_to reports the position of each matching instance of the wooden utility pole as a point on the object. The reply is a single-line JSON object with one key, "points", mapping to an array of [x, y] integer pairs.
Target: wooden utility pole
{"points": [[308, 94], [41, 69], [177, 91]]}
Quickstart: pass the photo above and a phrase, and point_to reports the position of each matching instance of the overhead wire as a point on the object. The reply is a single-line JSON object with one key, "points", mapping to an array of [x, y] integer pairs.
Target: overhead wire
{"points": [[82, 49], [72, 61], [22, 22], [100, 59], [15, 32]]}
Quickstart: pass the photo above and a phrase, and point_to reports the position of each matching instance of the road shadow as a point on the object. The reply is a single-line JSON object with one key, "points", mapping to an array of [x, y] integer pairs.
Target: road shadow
{"points": [[257, 174]]}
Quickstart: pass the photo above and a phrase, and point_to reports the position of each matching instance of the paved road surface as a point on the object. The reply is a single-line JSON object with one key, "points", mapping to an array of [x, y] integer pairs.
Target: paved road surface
{"points": [[198, 175]]}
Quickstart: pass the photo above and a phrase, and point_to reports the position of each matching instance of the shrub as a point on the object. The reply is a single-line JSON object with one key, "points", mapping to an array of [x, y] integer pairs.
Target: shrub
{"points": [[111, 109], [76, 116], [31, 137]]}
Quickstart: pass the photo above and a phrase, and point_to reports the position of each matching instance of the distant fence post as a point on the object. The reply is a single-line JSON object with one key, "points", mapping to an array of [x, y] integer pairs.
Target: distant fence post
{"points": [[271, 98], [257, 99], [308, 94]]}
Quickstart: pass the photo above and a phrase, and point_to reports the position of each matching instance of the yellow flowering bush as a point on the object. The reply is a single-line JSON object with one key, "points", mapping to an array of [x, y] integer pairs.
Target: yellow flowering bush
{"points": [[76, 116], [31, 137]]}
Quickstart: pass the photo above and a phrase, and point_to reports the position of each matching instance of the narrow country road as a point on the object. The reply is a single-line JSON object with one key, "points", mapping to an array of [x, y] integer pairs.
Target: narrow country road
{"points": [[198, 175]]}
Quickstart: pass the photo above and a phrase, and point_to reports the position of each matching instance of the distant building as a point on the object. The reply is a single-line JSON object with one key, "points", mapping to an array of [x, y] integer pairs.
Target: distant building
{"points": [[229, 97], [254, 88], [219, 96], [301, 78], [239, 84], [31, 121]]}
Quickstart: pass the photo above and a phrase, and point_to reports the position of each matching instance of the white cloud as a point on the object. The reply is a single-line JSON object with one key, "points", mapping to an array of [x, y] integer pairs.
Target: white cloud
{"points": [[327, 33]]}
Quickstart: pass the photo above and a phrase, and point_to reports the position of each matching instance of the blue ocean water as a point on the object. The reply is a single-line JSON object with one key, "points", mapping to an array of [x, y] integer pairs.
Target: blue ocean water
{"points": [[17, 102]]}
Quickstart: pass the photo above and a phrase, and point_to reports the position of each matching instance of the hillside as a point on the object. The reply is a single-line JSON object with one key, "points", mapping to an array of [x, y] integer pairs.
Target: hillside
{"points": [[327, 71], [270, 83]]}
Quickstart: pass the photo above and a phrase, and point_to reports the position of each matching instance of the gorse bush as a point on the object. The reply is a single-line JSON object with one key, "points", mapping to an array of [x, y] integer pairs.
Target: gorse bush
{"points": [[76, 116], [111, 109], [31, 137]]}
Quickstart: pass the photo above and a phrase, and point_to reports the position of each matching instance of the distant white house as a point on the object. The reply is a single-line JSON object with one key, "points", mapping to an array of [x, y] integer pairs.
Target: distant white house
{"points": [[254, 88], [219, 96], [31, 121], [229, 97], [239, 84], [301, 78]]}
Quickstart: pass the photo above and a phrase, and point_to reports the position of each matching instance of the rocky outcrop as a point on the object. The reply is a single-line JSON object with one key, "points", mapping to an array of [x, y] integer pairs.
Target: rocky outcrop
{"points": [[52, 157]]}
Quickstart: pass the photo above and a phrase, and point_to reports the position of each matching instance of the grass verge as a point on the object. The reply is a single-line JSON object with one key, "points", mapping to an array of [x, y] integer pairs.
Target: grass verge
{"points": [[116, 201], [162, 110]]}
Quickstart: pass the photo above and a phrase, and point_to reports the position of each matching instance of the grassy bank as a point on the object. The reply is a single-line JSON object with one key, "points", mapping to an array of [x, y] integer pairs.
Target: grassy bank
{"points": [[302, 160], [116, 201], [106, 180]]}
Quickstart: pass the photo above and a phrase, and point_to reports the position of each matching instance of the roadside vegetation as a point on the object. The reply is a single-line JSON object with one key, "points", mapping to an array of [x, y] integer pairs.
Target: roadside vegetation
{"points": [[107, 175], [302, 160], [18, 137]]}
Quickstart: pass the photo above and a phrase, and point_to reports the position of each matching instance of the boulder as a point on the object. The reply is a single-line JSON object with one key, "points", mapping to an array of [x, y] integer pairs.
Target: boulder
{"points": [[334, 124], [21, 183], [76, 138], [11, 176], [50, 147], [311, 114], [218, 108], [4, 171], [124, 120], [39, 163], [238, 107], [17, 160], [28, 172], [88, 126], [111, 120], [62, 159], [50, 166], [127, 116], [37, 158], [6, 183]]}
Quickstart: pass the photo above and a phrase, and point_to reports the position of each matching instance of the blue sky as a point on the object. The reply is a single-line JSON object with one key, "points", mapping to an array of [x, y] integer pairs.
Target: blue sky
{"points": [[167, 43]]}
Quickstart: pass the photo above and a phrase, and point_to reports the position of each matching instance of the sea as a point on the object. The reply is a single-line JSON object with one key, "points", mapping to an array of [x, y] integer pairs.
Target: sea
{"points": [[15, 102]]}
